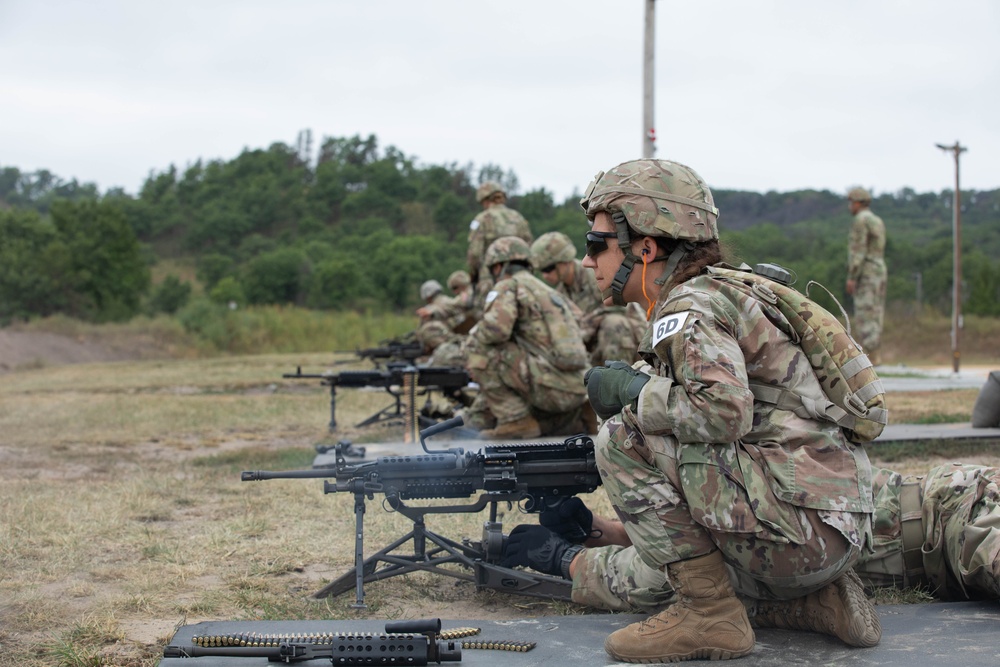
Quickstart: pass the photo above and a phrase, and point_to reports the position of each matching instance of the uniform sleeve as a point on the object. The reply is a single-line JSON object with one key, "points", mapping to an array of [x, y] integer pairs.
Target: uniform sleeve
{"points": [[500, 316], [707, 398], [857, 246]]}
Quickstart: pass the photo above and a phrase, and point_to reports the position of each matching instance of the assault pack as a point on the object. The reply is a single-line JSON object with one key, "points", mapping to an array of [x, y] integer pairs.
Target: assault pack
{"points": [[856, 395]]}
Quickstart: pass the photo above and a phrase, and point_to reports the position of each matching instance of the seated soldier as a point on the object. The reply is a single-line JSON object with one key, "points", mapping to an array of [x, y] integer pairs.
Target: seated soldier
{"points": [[438, 306], [525, 353]]}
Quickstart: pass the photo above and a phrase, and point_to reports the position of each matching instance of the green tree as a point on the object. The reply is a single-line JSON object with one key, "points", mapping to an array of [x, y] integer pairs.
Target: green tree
{"points": [[275, 277], [170, 295], [108, 272], [34, 266]]}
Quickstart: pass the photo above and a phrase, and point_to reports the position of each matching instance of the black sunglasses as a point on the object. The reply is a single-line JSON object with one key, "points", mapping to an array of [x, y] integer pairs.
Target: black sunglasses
{"points": [[548, 269], [597, 242]]}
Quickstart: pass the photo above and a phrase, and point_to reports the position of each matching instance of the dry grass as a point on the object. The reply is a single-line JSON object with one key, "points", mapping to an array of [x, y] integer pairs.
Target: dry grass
{"points": [[123, 515]]}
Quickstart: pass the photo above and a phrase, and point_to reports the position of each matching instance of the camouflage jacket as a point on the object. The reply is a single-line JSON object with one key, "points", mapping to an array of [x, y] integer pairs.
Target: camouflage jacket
{"points": [[706, 343], [452, 310], [488, 226], [865, 245], [523, 309], [584, 291]]}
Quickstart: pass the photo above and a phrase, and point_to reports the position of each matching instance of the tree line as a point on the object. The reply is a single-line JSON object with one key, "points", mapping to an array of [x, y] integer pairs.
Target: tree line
{"points": [[361, 227]]}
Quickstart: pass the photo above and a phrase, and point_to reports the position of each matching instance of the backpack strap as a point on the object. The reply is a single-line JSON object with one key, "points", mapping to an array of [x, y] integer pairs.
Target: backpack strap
{"points": [[786, 399]]}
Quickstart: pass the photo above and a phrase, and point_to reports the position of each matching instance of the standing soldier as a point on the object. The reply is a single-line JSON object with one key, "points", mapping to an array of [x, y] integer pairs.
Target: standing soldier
{"points": [[866, 272], [495, 221], [525, 353], [609, 332]]}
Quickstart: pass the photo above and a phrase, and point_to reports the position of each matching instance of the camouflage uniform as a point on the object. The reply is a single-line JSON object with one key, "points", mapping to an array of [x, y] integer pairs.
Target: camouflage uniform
{"points": [[448, 309], [700, 465], [609, 332], [446, 349], [613, 333], [525, 326], [495, 222], [866, 266], [941, 531]]}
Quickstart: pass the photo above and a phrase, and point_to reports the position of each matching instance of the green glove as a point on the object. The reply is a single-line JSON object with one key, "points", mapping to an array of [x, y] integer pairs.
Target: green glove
{"points": [[613, 386]]}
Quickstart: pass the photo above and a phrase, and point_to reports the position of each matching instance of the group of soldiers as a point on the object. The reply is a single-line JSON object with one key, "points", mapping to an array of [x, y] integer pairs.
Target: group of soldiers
{"points": [[526, 320], [732, 514]]}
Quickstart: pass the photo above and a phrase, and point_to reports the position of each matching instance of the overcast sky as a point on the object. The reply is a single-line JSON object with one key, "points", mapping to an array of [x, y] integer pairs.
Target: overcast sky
{"points": [[754, 94]]}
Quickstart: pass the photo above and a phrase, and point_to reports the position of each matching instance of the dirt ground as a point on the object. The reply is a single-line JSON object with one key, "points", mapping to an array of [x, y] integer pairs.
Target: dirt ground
{"points": [[37, 349]]}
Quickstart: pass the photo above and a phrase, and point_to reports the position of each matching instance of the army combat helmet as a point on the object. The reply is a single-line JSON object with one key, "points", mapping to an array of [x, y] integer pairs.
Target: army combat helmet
{"points": [[551, 248], [507, 249], [658, 198], [487, 190], [859, 195], [459, 280], [430, 289]]}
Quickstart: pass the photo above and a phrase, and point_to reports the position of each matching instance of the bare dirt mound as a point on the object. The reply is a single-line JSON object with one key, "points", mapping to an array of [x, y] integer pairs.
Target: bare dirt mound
{"points": [[37, 349]]}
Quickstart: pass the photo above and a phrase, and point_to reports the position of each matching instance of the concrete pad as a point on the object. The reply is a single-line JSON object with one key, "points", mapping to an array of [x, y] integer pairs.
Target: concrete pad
{"points": [[925, 635], [906, 378], [944, 432]]}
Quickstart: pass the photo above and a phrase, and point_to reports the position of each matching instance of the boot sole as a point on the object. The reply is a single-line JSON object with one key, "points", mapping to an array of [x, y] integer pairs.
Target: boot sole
{"points": [[699, 654], [865, 628]]}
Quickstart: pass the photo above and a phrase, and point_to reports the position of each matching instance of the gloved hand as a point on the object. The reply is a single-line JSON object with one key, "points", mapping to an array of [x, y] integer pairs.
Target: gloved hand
{"points": [[540, 549], [570, 519], [613, 386]]}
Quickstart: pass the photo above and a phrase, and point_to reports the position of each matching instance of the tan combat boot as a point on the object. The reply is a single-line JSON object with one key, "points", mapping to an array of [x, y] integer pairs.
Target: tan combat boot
{"points": [[840, 609], [525, 427], [707, 622]]}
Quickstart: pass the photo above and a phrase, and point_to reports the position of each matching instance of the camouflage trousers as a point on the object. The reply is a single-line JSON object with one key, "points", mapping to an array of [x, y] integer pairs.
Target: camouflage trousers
{"points": [[513, 385], [941, 531], [676, 507], [869, 309]]}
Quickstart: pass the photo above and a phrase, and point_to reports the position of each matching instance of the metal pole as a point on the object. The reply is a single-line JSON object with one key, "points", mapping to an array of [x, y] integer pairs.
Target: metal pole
{"points": [[648, 130], [956, 299]]}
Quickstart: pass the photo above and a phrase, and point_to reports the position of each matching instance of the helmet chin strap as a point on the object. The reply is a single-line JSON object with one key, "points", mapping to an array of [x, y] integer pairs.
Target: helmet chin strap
{"points": [[628, 263]]}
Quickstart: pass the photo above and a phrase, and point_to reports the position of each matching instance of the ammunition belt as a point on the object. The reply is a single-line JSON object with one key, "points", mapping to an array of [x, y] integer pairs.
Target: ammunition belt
{"points": [[255, 639]]}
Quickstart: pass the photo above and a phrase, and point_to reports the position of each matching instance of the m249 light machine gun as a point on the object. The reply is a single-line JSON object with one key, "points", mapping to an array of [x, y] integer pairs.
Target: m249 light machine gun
{"points": [[532, 475], [391, 351], [399, 380], [402, 643]]}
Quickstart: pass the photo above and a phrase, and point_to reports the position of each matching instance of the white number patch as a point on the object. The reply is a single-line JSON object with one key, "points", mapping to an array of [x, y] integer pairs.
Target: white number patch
{"points": [[668, 326]]}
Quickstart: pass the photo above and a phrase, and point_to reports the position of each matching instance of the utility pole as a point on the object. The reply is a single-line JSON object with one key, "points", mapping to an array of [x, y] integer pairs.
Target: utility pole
{"points": [[648, 131], [956, 299]]}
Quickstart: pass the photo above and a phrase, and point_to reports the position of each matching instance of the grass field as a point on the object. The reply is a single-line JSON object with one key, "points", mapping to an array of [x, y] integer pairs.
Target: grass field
{"points": [[123, 514]]}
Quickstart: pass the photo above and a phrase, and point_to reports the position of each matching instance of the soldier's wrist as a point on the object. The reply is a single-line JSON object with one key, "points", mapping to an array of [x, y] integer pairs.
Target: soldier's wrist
{"points": [[567, 560]]}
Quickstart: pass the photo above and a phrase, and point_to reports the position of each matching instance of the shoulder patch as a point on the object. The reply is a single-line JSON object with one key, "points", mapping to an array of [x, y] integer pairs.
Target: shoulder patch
{"points": [[668, 326], [490, 296], [474, 225]]}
